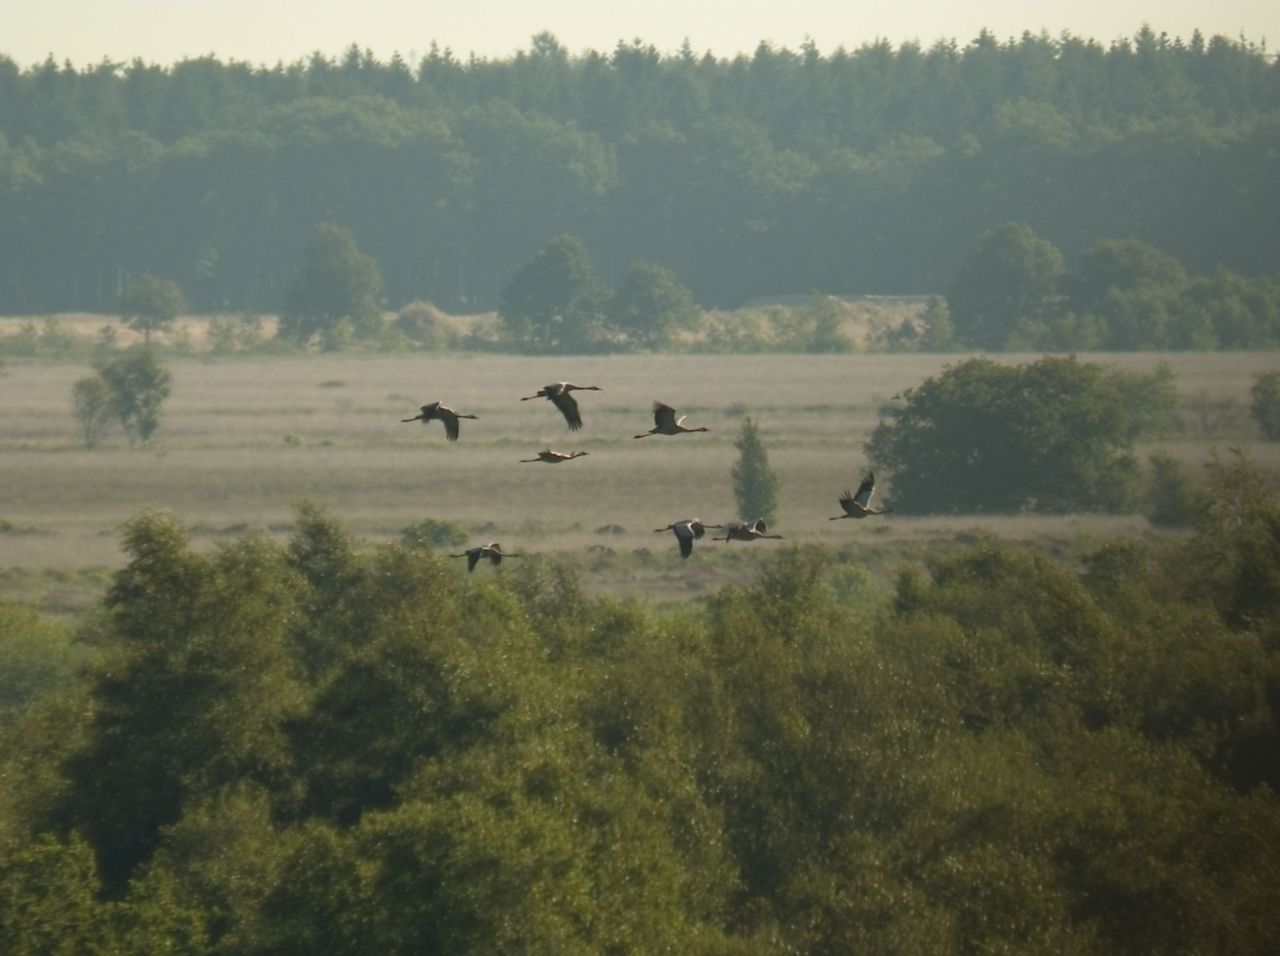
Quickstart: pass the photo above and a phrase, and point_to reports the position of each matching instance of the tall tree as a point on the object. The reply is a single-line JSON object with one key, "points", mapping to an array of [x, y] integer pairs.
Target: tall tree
{"points": [[1008, 280], [651, 305], [553, 302], [334, 296]]}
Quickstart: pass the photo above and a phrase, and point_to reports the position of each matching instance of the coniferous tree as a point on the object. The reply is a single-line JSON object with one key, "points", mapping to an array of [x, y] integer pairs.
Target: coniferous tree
{"points": [[754, 483]]}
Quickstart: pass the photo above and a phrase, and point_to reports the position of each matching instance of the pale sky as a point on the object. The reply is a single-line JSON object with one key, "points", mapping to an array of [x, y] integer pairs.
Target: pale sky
{"points": [[269, 31]]}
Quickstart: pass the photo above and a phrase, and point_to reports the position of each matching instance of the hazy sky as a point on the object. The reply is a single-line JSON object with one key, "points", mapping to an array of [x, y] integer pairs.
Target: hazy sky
{"points": [[266, 31]]}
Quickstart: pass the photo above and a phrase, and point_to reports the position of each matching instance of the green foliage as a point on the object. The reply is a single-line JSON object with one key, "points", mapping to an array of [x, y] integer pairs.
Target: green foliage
{"points": [[932, 332], [148, 304], [36, 659], [1171, 496], [752, 175], [138, 384], [334, 297], [1120, 265], [814, 327], [228, 334], [650, 306], [433, 533], [1007, 283], [1055, 435], [553, 302], [47, 900], [425, 325], [1264, 404], [94, 408], [755, 486], [323, 746]]}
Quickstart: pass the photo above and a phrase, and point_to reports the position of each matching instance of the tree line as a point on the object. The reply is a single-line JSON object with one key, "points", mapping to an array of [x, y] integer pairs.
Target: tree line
{"points": [[311, 744], [867, 170]]}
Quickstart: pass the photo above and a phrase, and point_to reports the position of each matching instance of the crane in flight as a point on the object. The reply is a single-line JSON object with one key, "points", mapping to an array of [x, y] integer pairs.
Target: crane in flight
{"points": [[493, 551], [555, 457], [857, 504], [559, 395], [441, 413], [686, 532], [666, 423]]}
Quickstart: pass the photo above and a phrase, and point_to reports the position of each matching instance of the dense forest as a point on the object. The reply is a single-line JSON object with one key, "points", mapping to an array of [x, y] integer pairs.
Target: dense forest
{"points": [[862, 171], [313, 745]]}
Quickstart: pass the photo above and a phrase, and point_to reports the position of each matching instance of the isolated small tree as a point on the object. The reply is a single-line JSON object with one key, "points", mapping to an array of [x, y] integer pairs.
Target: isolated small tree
{"points": [[334, 296], [93, 407], [138, 385], [1264, 404], [148, 304], [754, 483]]}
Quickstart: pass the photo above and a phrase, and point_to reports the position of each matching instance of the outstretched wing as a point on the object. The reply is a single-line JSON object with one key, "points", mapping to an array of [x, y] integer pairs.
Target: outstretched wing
{"points": [[568, 406], [685, 533], [862, 497], [425, 414], [473, 557], [664, 416], [450, 419]]}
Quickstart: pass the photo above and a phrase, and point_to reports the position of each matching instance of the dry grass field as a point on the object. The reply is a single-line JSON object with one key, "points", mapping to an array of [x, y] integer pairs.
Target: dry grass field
{"points": [[242, 438]]}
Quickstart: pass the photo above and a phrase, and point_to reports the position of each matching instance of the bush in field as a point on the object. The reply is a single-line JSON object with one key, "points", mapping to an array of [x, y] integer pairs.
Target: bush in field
{"points": [[138, 385], [1055, 435], [94, 408], [127, 390], [813, 327], [1264, 404], [425, 325]]}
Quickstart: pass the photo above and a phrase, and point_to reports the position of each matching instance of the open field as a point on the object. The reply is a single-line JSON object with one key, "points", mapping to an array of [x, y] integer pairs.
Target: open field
{"points": [[242, 438]]}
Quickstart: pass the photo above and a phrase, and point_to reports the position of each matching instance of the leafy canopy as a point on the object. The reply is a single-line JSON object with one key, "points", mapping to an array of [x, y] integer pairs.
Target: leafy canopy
{"points": [[335, 294], [150, 305], [1055, 435]]}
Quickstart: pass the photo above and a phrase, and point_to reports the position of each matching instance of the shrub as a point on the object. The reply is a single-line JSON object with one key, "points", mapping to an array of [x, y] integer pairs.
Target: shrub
{"points": [[431, 533], [1264, 404], [425, 325]]}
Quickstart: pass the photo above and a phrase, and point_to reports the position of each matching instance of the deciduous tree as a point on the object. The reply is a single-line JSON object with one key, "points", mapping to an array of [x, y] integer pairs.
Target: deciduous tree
{"points": [[334, 296], [553, 302], [1008, 280], [138, 385], [1055, 435], [148, 304]]}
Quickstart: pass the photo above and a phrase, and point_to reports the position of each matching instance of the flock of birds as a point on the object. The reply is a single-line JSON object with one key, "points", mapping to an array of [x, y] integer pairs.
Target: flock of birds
{"points": [[856, 504]]}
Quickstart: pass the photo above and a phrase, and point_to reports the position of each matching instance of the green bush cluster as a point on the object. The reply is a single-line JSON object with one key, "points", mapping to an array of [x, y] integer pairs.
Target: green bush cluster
{"points": [[1054, 435], [1014, 291], [314, 746]]}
